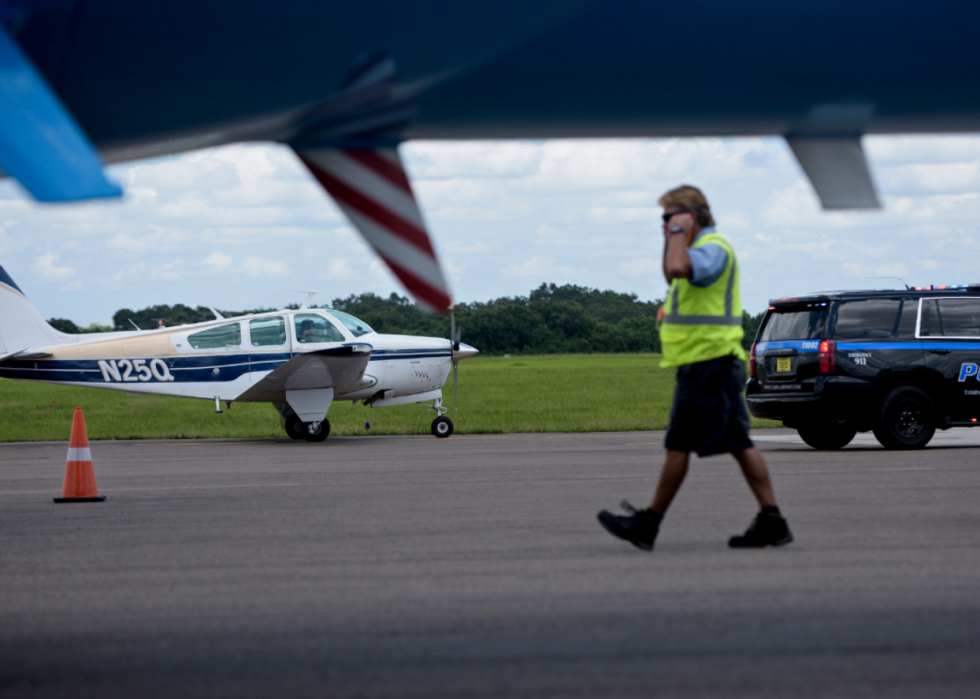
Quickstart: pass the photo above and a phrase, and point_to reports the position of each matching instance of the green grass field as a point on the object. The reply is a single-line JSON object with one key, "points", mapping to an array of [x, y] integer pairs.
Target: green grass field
{"points": [[554, 393]]}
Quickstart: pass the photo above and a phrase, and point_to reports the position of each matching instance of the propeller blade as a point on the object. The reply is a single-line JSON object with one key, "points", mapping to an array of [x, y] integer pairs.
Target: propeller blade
{"points": [[456, 386]]}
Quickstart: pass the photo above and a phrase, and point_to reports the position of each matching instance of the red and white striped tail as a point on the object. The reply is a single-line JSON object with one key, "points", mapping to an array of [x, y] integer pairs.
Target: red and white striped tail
{"points": [[372, 188]]}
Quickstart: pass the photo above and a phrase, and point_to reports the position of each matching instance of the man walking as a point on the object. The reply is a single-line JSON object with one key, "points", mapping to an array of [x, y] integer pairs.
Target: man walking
{"points": [[701, 334]]}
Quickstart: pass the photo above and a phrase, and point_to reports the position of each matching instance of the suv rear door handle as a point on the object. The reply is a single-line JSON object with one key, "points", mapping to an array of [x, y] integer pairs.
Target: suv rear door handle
{"points": [[939, 351]]}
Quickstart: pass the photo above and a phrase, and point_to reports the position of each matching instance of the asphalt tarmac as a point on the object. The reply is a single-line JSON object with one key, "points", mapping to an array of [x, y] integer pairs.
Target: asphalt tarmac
{"points": [[474, 566]]}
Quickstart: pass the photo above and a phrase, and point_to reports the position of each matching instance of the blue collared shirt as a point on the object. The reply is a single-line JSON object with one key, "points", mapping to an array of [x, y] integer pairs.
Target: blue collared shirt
{"points": [[708, 262]]}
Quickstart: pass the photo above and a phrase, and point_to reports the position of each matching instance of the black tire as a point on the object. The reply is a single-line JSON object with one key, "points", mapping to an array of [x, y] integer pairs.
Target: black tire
{"points": [[826, 435], [321, 433], [907, 419], [442, 427], [294, 428]]}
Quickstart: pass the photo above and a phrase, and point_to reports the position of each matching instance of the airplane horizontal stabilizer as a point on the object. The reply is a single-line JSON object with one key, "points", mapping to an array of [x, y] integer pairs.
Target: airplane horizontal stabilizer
{"points": [[336, 368], [40, 143], [25, 354], [372, 189]]}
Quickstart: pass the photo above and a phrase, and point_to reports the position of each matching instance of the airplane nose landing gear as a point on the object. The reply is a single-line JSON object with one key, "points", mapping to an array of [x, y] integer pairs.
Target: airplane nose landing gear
{"points": [[442, 427]]}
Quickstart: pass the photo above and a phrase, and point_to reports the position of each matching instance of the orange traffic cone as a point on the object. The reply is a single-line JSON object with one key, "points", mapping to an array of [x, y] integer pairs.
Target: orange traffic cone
{"points": [[79, 475]]}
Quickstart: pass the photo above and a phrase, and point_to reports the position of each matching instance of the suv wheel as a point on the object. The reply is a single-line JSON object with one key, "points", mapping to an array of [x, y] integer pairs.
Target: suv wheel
{"points": [[907, 419], [827, 434]]}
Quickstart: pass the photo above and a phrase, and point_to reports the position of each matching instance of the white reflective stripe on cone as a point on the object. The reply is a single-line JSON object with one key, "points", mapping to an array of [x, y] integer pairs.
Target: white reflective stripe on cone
{"points": [[79, 454]]}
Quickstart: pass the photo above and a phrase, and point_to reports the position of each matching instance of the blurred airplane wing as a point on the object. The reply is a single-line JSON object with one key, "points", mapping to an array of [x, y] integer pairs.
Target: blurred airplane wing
{"points": [[40, 143], [337, 368], [372, 188]]}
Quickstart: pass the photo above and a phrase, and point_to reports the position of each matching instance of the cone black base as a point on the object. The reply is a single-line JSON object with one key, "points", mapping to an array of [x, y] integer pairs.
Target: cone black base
{"points": [[97, 498]]}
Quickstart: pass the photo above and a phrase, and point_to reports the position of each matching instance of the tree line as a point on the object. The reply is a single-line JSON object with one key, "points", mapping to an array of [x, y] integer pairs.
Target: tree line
{"points": [[551, 319]]}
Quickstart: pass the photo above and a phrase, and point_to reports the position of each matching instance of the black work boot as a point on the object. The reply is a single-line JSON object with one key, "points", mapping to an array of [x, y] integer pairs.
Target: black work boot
{"points": [[640, 527], [768, 529]]}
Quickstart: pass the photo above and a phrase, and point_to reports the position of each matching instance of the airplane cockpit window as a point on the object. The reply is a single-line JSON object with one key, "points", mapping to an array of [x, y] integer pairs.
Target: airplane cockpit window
{"points": [[217, 338], [267, 331], [315, 328], [356, 326]]}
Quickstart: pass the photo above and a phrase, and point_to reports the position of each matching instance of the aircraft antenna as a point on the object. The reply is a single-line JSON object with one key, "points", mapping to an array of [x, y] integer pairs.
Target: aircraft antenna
{"points": [[134, 325], [907, 287], [309, 297], [217, 316]]}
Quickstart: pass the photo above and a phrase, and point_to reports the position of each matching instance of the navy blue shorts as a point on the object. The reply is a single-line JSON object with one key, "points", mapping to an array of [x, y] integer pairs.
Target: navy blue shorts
{"points": [[709, 414]]}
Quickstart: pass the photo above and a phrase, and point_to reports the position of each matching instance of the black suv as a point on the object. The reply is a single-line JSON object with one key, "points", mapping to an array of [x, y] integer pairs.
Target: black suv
{"points": [[899, 363]]}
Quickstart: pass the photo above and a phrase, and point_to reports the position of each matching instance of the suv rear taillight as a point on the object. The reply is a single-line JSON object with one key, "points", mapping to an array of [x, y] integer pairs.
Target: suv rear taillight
{"points": [[752, 362], [827, 357]]}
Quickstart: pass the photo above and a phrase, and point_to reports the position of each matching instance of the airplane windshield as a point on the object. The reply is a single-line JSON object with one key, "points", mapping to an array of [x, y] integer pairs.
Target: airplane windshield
{"points": [[356, 326]]}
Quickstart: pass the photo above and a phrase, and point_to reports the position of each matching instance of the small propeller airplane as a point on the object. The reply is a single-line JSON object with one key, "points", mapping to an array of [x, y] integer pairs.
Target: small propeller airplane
{"points": [[299, 360]]}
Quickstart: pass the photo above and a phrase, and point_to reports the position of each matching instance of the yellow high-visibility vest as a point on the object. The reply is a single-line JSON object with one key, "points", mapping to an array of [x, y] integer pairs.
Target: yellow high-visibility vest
{"points": [[703, 322]]}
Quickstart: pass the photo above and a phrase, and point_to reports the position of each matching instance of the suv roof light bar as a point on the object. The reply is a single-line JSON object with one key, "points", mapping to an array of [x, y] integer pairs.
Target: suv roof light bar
{"points": [[947, 287]]}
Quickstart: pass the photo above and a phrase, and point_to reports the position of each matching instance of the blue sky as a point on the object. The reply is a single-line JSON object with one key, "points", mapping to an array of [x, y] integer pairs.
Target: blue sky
{"points": [[237, 227]]}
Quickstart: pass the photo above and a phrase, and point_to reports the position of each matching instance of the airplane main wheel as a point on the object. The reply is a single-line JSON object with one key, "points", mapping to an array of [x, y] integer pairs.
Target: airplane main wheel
{"points": [[295, 427], [321, 432], [442, 427]]}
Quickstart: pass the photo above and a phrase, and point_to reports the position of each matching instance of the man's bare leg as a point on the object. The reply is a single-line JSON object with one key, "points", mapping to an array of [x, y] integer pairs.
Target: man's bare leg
{"points": [[671, 478], [756, 475]]}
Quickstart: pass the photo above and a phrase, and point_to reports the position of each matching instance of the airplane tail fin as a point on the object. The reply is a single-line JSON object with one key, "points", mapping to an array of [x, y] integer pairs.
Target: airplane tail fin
{"points": [[21, 326]]}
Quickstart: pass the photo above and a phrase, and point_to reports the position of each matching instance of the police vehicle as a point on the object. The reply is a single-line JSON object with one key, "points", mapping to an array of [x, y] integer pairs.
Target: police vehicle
{"points": [[899, 363]]}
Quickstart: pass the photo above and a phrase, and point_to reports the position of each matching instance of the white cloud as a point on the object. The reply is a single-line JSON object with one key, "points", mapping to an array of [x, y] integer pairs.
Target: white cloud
{"points": [[506, 216], [339, 269], [218, 260], [47, 266], [263, 267], [161, 239], [642, 266], [626, 214], [537, 268]]}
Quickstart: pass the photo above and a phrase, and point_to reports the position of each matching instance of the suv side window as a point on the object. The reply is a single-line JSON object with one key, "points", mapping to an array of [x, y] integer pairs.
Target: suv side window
{"points": [[867, 318], [950, 318]]}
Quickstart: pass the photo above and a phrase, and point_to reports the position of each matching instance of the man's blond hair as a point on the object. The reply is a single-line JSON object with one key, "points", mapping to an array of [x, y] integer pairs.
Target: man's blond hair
{"points": [[692, 199]]}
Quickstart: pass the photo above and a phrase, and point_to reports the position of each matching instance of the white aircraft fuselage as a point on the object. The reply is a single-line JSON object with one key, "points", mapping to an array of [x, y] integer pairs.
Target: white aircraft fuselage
{"points": [[299, 360]]}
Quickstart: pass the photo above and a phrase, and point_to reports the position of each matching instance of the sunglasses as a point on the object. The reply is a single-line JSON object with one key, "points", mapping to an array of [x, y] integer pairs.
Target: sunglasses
{"points": [[667, 217]]}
